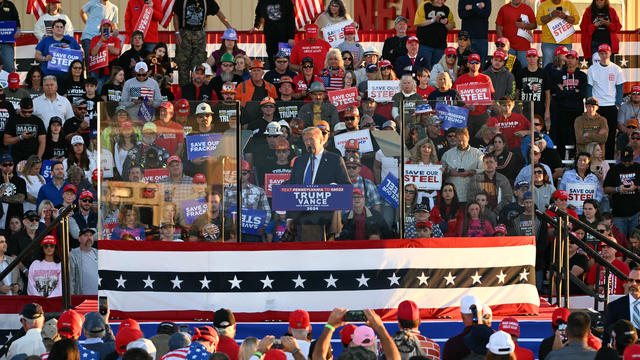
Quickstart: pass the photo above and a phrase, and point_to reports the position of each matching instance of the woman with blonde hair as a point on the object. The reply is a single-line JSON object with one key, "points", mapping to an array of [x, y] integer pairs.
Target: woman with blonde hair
{"points": [[424, 153], [31, 175], [333, 69], [386, 70], [247, 348], [406, 95]]}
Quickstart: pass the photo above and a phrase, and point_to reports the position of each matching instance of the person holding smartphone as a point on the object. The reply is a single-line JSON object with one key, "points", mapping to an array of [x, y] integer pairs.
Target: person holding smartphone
{"points": [[549, 11], [621, 183]]}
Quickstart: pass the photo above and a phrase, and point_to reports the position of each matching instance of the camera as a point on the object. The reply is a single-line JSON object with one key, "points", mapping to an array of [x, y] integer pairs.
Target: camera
{"points": [[277, 344], [357, 316]]}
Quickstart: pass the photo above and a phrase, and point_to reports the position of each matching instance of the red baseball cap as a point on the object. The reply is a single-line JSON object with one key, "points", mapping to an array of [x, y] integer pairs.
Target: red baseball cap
{"points": [[166, 105], [560, 194], [346, 333], [511, 326], [299, 319], [49, 239], [311, 31], [126, 124], [450, 51], [174, 158], [70, 324], [86, 194], [199, 179], [385, 63], [503, 40], [96, 173], [475, 57], [349, 29], [408, 310], [14, 80], [560, 314], [70, 187], [532, 52], [604, 47], [246, 166], [500, 229], [275, 354], [413, 38], [572, 53], [560, 51], [635, 89], [125, 336], [357, 191], [282, 144], [207, 333], [182, 107], [130, 323], [500, 55]]}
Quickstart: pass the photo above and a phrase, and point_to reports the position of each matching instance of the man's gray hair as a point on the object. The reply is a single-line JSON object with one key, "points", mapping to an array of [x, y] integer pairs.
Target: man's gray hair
{"points": [[312, 129], [49, 77]]}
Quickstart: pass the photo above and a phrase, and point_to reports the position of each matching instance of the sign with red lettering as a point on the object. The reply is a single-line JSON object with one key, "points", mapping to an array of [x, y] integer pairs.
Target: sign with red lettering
{"points": [[344, 98], [274, 179], [100, 60], [362, 136], [155, 175], [382, 90], [475, 94], [579, 192], [144, 20], [560, 29], [425, 177], [334, 34]]}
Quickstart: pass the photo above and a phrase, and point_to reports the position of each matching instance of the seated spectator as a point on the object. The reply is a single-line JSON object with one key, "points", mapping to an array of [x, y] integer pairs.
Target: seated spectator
{"points": [[304, 79], [386, 70], [443, 92], [146, 153], [581, 174], [591, 126], [197, 89], [550, 157], [52, 190], [448, 211], [484, 138], [318, 109], [516, 207], [544, 187], [521, 225], [473, 225], [351, 46], [372, 72], [246, 90], [406, 99], [14, 284], [525, 172], [31, 175], [33, 81], [136, 53], [139, 91], [45, 274], [242, 66], [112, 89], [368, 187], [447, 63], [358, 222], [129, 219], [465, 158], [83, 262], [465, 48], [57, 39], [424, 88], [333, 71], [371, 57], [414, 60]]}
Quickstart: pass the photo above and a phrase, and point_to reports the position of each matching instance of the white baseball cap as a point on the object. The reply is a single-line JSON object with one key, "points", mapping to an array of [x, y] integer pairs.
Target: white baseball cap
{"points": [[77, 139], [141, 66], [467, 302], [203, 108], [500, 343]]}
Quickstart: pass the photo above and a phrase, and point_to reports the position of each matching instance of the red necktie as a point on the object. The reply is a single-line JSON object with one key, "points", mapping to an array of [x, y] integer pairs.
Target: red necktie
{"points": [[413, 61]]}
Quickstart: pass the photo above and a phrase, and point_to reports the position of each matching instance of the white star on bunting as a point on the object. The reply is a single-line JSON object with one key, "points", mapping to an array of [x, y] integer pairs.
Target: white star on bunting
{"points": [[121, 281], [476, 278], [205, 282], [148, 282], [176, 282], [299, 282], [266, 283], [423, 279], [450, 279], [501, 277], [393, 279], [331, 281], [363, 281], [524, 275], [235, 282], [623, 62], [584, 64]]}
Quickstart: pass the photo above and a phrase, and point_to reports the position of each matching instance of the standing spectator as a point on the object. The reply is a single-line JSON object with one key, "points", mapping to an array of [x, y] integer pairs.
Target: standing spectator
{"points": [[336, 13], [57, 39], [464, 48], [26, 132], [351, 46], [31, 175], [509, 162], [107, 41], [14, 93], [51, 103], [395, 46], [132, 14], [371, 57], [129, 225], [7, 111], [45, 274], [73, 85], [548, 11], [534, 85], [605, 81], [362, 221], [600, 25], [14, 191], [477, 113], [84, 216], [471, 312], [444, 92], [372, 199], [140, 89], [33, 81], [503, 81], [461, 163], [514, 22], [433, 20], [170, 133], [44, 25], [628, 115], [591, 127], [473, 224], [333, 72], [229, 46], [495, 185], [226, 74], [7, 50], [475, 24], [225, 324], [620, 184], [408, 316], [32, 320], [405, 99], [312, 46], [569, 90], [189, 21], [410, 63], [83, 263], [197, 89], [514, 126], [52, 190], [278, 20], [92, 14], [256, 88], [136, 53]]}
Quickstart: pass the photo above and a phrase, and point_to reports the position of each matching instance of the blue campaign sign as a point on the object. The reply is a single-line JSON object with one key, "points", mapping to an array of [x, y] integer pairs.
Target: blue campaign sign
{"points": [[145, 113], [7, 31], [284, 47], [388, 189], [191, 209], [252, 219], [452, 116], [312, 197], [45, 171], [61, 58], [202, 145]]}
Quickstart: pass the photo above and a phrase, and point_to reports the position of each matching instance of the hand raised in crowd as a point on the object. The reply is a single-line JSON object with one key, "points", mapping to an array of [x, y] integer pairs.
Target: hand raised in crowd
{"points": [[336, 318], [289, 344], [374, 321], [266, 343]]}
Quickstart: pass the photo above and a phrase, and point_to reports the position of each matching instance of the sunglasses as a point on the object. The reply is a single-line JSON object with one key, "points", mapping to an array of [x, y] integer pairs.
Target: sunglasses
{"points": [[27, 111], [602, 231], [245, 173], [273, 136], [410, 191], [474, 62], [635, 138], [45, 246], [82, 108], [538, 172], [537, 124], [141, 75], [269, 106], [87, 200], [34, 219], [452, 56], [451, 135], [637, 281], [7, 164], [349, 118], [227, 65], [281, 61], [500, 45], [463, 37], [347, 58], [353, 167], [307, 67], [631, 127]]}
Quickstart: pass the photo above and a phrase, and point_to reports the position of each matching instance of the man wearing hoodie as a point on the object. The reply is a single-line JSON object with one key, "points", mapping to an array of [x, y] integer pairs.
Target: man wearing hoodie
{"points": [[504, 83]]}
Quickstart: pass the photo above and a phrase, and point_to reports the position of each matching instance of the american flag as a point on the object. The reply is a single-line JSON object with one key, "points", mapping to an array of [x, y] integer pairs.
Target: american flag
{"points": [[167, 12], [195, 351], [307, 11], [144, 91], [37, 8], [173, 281]]}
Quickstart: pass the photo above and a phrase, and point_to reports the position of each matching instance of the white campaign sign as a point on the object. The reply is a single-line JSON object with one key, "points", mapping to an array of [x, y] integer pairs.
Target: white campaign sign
{"points": [[382, 90], [334, 34], [579, 192], [522, 32], [425, 177], [363, 137], [560, 29]]}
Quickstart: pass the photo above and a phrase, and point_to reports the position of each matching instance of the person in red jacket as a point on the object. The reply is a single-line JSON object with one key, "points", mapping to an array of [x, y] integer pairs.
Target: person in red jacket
{"points": [[616, 285], [132, 16], [312, 47], [225, 324], [512, 327], [599, 25], [477, 113]]}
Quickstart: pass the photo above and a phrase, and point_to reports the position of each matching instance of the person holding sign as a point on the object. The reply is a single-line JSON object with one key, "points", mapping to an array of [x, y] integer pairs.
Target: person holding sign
{"points": [[104, 51], [144, 15], [44, 25], [574, 182], [515, 21], [557, 18], [335, 13], [10, 29], [59, 40], [476, 89]]}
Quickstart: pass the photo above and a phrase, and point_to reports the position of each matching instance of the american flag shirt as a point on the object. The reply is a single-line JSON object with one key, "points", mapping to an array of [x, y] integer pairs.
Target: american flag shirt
{"points": [[85, 354], [144, 91], [195, 351]]}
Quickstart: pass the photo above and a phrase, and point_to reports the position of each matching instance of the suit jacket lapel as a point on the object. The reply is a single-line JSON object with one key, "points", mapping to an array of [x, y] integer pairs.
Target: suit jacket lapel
{"points": [[323, 166]]}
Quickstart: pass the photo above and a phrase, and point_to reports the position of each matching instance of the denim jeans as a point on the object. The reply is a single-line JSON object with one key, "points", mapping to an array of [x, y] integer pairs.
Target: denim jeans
{"points": [[626, 224], [86, 46], [433, 54], [547, 52], [521, 55], [481, 46], [7, 54]]}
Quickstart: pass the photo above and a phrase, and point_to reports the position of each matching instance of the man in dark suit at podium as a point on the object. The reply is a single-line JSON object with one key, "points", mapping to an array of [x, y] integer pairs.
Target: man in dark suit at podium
{"points": [[317, 166], [627, 307]]}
